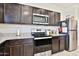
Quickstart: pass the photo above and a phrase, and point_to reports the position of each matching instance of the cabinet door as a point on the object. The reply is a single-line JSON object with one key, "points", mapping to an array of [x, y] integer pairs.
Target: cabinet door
{"points": [[36, 10], [51, 18], [43, 11], [1, 51], [28, 50], [6, 51], [55, 45], [16, 50], [26, 14], [1, 12], [12, 13], [40, 11], [56, 18], [62, 43]]}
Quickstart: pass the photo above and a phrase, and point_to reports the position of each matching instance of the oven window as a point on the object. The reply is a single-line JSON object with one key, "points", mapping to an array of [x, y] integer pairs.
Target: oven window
{"points": [[42, 42]]}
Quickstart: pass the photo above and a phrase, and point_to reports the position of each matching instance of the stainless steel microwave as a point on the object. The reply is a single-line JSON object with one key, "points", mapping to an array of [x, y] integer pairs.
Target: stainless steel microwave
{"points": [[40, 19], [63, 23]]}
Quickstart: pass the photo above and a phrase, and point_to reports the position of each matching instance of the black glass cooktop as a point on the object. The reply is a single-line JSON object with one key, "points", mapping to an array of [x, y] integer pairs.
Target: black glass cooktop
{"points": [[39, 34]]}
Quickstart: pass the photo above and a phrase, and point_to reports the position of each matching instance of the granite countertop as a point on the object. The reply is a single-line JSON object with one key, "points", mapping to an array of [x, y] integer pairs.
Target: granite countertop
{"points": [[5, 37], [53, 35], [58, 35]]}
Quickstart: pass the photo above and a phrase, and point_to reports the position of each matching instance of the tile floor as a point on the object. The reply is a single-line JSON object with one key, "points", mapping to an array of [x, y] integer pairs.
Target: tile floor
{"points": [[66, 53], [62, 53]]}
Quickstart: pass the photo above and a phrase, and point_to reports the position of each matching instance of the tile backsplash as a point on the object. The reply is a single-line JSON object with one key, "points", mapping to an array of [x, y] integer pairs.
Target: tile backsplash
{"points": [[12, 28]]}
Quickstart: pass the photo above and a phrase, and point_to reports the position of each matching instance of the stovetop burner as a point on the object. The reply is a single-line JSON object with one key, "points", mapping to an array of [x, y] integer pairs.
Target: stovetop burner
{"points": [[39, 34]]}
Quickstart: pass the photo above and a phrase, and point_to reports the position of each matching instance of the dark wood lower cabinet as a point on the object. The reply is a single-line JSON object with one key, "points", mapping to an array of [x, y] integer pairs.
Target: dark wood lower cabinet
{"points": [[16, 50], [6, 51], [55, 44], [1, 51], [62, 43], [28, 50], [19, 50], [18, 47], [58, 44], [29, 47]]}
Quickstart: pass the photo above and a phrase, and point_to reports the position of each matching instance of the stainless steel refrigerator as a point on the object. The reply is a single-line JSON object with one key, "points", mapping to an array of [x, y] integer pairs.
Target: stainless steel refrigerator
{"points": [[71, 41]]}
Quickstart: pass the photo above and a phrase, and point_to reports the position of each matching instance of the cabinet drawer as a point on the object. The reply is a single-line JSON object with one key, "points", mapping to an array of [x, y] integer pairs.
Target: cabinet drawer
{"points": [[18, 42], [29, 41]]}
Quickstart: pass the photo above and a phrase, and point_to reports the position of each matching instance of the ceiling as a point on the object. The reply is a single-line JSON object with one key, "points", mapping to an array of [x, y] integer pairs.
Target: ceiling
{"points": [[62, 5], [66, 5]]}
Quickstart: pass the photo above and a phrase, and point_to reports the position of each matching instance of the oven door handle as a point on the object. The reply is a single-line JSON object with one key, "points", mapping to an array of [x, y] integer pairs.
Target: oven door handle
{"points": [[42, 38]]}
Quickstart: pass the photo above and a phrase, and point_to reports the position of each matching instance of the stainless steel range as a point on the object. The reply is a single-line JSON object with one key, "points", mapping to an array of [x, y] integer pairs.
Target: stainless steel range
{"points": [[40, 35], [42, 43]]}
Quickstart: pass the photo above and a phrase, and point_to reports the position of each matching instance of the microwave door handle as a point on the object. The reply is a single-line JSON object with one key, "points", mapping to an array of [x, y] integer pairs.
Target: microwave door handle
{"points": [[47, 20]]}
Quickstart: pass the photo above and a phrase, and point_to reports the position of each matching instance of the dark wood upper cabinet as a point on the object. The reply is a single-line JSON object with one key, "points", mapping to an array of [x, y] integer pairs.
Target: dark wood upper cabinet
{"points": [[26, 14], [51, 18], [44, 12], [40, 11], [12, 13], [36, 10], [1, 12], [56, 18]]}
